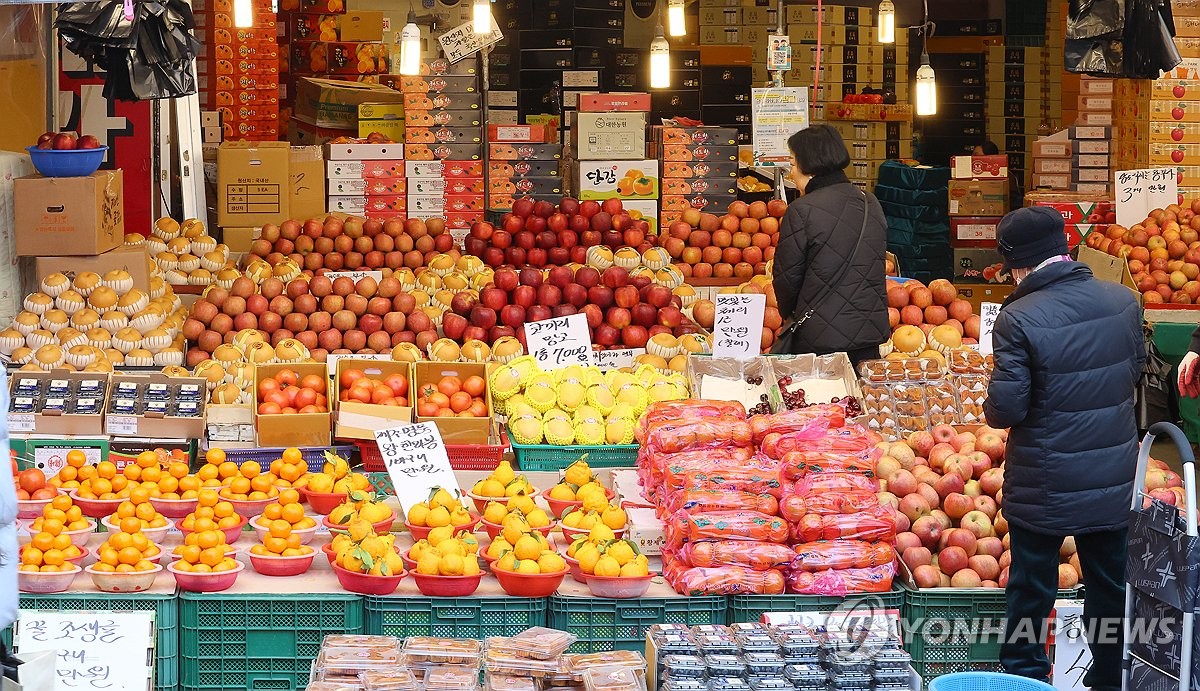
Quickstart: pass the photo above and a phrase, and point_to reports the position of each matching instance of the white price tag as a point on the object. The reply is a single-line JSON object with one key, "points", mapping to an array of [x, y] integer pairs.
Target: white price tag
{"points": [[560, 342], [1141, 191], [90, 649], [20, 422], [416, 461], [355, 276], [616, 359], [332, 359], [988, 311], [462, 41], [737, 328], [121, 425]]}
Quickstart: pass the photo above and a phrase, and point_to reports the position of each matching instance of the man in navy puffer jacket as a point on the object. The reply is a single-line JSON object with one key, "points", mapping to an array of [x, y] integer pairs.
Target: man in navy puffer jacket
{"points": [[1068, 351]]}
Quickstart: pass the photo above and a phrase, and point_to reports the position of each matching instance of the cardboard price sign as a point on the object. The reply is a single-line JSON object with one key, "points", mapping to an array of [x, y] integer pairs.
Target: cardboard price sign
{"points": [[91, 649], [737, 328], [416, 461], [988, 311], [560, 342], [462, 41], [1141, 191]]}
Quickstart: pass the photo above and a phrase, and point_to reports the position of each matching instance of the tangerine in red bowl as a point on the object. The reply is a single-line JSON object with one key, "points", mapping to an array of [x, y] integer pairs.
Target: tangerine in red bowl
{"points": [[421, 532], [211, 582], [381, 528], [447, 586], [366, 584], [278, 565], [323, 502], [530, 584], [561, 507]]}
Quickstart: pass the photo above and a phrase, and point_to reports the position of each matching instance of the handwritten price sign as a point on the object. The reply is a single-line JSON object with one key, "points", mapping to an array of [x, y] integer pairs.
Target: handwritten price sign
{"points": [[988, 312], [94, 650], [462, 41], [1141, 191], [616, 359], [560, 342], [737, 328], [355, 276], [416, 461]]}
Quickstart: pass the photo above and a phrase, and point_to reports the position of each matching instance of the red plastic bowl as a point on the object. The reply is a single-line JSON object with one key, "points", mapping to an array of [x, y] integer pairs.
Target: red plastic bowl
{"points": [[577, 573], [530, 585], [96, 508], [281, 566], [232, 533], [323, 502], [381, 528], [421, 532], [32, 508], [618, 587], [42, 582], [174, 508], [494, 529], [83, 552], [206, 582], [366, 584], [327, 549], [249, 508], [447, 586], [560, 507]]}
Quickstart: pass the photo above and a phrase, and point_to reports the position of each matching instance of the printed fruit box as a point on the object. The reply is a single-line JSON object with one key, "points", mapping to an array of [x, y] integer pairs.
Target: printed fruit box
{"points": [[600, 180]]}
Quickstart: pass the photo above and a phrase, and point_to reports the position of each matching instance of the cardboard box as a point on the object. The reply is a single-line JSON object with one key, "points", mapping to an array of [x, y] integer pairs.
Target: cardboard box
{"points": [[382, 118], [123, 452], [309, 429], [1057, 145], [252, 183], [979, 265], [81, 216], [455, 430], [974, 229], [361, 25], [365, 152], [334, 104], [357, 420], [50, 455], [239, 239], [1108, 268], [306, 175], [979, 293], [972, 167], [978, 197], [532, 134], [599, 180], [610, 103], [135, 260], [155, 425], [54, 421], [608, 136]]}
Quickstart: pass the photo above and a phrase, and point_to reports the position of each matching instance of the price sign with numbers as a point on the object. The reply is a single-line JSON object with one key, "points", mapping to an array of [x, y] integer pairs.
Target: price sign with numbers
{"points": [[616, 359], [355, 276], [462, 41], [988, 311], [1141, 191], [94, 650], [737, 328], [416, 461], [560, 342]]}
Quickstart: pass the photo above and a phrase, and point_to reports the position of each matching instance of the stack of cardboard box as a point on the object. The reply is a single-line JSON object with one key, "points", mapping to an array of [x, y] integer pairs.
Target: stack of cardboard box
{"points": [[326, 110], [366, 179], [1023, 98], [509, 180], [608, 145], [443, 112], [266, 182], [322, 38], [453, 190], [699, 169], [1158, 124], [238, 69], [1075, 159], [979, 196]]}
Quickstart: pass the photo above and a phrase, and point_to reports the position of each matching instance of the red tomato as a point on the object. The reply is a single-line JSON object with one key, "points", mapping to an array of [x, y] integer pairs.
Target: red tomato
{"points": [[321, 400], [441, 400], [289, 411], [478, 408], [426, 409], [291, 392], [449, 386], [279, 398], [286, 377], [362, 394], [445, 412], [460, 401], [473, 385], [349, 377], [380, 394], [268, 408], [426, 390], [397, 383], [313, 381], [266, 386], [310, 409], [305, 397]]}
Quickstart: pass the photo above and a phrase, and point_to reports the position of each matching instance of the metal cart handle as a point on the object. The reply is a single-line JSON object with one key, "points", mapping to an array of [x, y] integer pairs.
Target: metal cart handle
{"points": [[1189, 469]]}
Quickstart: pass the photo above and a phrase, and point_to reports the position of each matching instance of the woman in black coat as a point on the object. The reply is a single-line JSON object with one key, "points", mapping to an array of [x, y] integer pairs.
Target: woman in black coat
{"points": [[829, 263]]}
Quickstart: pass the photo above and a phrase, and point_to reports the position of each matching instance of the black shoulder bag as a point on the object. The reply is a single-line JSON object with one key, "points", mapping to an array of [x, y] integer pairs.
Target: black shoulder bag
{"points": [[785, 343]]}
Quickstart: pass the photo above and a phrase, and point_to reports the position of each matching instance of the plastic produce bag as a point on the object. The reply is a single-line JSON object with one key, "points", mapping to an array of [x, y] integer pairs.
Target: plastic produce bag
{"points": [[876, 579], [668, 411], [698, 500], [725, 525], [795, 506], [1149, 44], [851, 439], [873, 524], [751, 477], [758, 556], [704, 433], [724, 580], [1095, 19], [798, 464], [815, 417], [833, 482], [829, 555]]}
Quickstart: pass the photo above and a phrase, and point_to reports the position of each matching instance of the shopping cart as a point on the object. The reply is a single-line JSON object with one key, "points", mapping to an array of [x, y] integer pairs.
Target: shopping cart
{"points": [[1162, 579]]}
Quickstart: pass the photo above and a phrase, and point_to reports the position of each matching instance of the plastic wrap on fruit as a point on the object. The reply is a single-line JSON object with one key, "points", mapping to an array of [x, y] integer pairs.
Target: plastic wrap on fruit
{"points": [[874, 524], [697, 500], [665, 411], [833, 482], [707, 433], [726, 525], [814, 417], [797, 464], [829, 555], [750, 478], [755, 555], [849, 439], [875, 579], [728, 580], [795, 506]]}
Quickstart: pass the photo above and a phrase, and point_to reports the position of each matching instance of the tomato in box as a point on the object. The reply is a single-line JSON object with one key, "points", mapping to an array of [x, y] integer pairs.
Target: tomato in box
{"points": [[295, 429], [358, 419], [454, 430]]}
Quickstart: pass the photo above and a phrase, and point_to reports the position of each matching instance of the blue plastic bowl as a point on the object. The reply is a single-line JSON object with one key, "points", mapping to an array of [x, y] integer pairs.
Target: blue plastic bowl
{"points": [[67, 163], [986, 681]]}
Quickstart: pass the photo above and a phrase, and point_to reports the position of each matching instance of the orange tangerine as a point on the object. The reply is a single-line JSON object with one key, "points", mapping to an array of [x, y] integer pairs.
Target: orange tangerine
{"points": [[223, 510], [31, 555], [73, 514], [227, 469], [204, 525], [293, 513], [215, 456], [106, 469], [261, 483], [190, 553], [152, 474], [67, 474], [62, 541], [293, 541], [275, 545], [280, 528], [212, 556], [250, 469], [132, 472], [273, 512], [140, 541], [104, 567], [146, 512], [101, 486], [76, 458], [292, 455], [54, 557], [239, 485], [229, 522], [120, 541], [208, 498], [53, 526], [168, 484], [42, 541], [108, 555], [208, 539], [208, 472], [62, 502]]}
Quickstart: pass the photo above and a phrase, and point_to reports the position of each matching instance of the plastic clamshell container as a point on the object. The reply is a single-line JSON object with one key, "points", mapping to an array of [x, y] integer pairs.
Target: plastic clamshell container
{"points": [[352, 661], [716, 644], [509, 682], [764, 664], [685, 666], [798, 643], [851, 681], [757, 643], [764, 684], [609, 658], [332, 686], [452, 678], [614, 679], [745, 628], [442, 651], [725, 665], [343, 640], [670, 684], [540, 643], [394, 679], [888, 660], [845, 663], [728, 684], [504, 662]]}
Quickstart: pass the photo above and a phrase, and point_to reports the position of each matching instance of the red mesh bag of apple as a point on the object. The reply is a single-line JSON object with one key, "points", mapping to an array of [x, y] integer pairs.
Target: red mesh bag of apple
{"points": [[699, 500], [795, 506], [841, 582], [816, 417], [750, 554], [725, 525], [686, 409], [873, 524]]}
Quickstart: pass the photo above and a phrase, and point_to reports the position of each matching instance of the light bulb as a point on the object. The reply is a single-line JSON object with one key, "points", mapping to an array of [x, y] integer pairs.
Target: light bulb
{"points": [[676, 22], [887, 21], [926, 89], [243, 13], [482, 17], [660, 61], [410, 48]]}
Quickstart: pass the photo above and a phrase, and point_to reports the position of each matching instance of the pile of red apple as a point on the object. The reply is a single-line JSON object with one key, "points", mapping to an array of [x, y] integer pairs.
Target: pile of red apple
{"points": [[1163, 252], [913, 303], [622, 312], [66, 141], [736, 245], [540, 234], [333, 244], [327, 316], [947, 489]]}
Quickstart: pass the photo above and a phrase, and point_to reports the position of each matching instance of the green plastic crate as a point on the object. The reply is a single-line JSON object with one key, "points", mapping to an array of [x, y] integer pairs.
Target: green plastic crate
{"points": [[166, 623], [544, 457], [449, 617], [956, 630], [258, 642], [603, 624], [750, 608]]}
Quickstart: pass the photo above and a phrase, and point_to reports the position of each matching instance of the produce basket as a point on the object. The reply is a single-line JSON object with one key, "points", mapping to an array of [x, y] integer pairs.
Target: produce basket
{"points": [[603, 624], [447, 617], [462, 456], [750, 608], [544, 457], [314, 456]]}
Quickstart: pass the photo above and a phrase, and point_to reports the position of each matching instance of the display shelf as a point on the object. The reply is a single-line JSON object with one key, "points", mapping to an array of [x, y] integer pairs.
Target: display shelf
{"points": [[543, 457], [750, 608], [603, 624]]}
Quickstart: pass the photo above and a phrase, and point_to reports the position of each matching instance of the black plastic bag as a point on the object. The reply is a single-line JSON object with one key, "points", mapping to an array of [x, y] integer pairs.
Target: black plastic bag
{"points": [[1152, 396], [1095, 57], [1095, 19], [1149, 45]]}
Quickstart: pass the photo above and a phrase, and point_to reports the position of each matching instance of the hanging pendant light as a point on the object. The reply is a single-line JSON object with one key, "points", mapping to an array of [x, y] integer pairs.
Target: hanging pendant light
{"points": [[887, 21], [660, 61], [676, 21], [482, 17], [410, 47], [926, 88], [243, 14]]}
